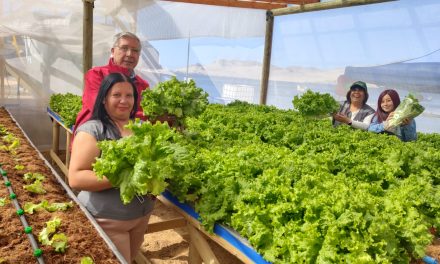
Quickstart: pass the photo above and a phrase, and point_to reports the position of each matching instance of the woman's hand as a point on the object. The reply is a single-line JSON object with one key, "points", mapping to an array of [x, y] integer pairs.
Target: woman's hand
{"points": [[386, 125], [390, 116], [406, 121], [341, 118]]}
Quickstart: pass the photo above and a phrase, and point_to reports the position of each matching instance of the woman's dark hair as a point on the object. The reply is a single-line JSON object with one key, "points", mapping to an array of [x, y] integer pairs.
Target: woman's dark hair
{"points": [[382, 115], [99, 112]]}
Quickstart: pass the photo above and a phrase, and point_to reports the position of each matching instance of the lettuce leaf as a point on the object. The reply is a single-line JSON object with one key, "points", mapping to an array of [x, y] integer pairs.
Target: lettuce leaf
{"points": [[4, 201], [138, 164], [51, 227], [173, 97], [30, 176], [87, 260], [36, 187], [315, 104], [59, 242], [408, 108]]}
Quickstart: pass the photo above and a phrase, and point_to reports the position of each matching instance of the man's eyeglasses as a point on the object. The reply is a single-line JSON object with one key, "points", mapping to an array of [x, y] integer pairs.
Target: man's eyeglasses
{"points": [[125, 49]]}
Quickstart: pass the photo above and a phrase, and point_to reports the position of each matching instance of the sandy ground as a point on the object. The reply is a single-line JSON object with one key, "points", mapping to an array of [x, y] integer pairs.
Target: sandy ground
{"points": [[172, 246], [169, 246]]}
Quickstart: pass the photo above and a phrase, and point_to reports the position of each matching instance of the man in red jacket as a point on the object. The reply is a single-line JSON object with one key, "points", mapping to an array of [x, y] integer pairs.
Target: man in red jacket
{"points": [[124, 58]]}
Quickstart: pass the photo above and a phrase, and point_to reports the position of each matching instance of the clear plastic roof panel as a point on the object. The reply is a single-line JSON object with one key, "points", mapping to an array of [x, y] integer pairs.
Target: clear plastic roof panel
{"points": [[393, 45]]}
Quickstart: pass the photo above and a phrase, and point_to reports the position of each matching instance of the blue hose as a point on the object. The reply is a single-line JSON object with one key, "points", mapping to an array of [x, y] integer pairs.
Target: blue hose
{"points": [[430, 260]]}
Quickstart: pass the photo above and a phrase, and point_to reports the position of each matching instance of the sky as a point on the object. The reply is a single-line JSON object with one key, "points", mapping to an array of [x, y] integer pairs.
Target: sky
{"points": [[357, 36], [361, 36]]}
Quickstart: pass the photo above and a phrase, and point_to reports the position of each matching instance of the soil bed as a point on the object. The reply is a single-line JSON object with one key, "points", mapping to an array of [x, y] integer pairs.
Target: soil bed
{"points": [[83, 238]]}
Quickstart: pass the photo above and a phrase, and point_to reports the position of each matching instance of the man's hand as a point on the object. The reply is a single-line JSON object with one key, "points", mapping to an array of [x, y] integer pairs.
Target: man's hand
{"points": [[170, 119]]}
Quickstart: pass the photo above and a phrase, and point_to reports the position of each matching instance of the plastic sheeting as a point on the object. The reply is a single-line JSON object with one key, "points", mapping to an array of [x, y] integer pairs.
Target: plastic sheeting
{"points": [[221, 48], [41, 45], [393, 45]]}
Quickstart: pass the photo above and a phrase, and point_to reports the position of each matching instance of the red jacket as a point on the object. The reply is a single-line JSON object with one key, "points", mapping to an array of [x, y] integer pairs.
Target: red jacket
{"points": [[93, 80]]}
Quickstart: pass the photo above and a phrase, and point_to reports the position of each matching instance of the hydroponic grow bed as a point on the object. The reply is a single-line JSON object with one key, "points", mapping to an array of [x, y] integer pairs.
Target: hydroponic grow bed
{"points": [[84, 237]]}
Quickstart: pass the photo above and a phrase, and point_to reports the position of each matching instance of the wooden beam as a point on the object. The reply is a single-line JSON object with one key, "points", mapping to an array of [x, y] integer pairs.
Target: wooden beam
{"points": [[60, 164], [55, 137], [65, 76], [87, 35], [25, 80], [324, 6], [196, 224], [295, 2], [266, 5], [2, 77], [193, 255], [167, 224], [141, 259], [266, 57], [228, 3], [202, 246]]}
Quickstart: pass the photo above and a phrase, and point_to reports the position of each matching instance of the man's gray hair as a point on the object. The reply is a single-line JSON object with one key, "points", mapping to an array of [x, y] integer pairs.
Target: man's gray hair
{"points": [[125, 34]]}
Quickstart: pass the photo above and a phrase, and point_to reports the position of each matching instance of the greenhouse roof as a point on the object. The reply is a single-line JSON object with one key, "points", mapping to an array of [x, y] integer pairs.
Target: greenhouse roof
{"points": [[259, 4]]}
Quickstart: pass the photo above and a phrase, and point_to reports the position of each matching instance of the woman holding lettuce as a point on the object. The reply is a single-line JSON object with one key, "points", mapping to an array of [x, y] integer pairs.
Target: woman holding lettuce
{"points": [[387, 103], [355, 111], [124, 224]]}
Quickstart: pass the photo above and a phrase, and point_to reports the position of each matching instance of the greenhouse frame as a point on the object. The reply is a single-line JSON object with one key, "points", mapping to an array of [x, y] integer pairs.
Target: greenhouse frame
{"points": [[251, 173]]}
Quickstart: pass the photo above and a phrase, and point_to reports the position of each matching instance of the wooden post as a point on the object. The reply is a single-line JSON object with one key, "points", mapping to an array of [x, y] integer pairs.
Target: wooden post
{"points": [[193, 255], [55, 137], [323, 6], [2, 77], [267, 57], [199, 228], [141, 259], [88, 35], [202, 246], [68, 139], [55, 149]]}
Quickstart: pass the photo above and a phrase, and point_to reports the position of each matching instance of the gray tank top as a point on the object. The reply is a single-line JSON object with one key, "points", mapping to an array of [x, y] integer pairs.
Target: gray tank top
{"points": [[107, 203]]}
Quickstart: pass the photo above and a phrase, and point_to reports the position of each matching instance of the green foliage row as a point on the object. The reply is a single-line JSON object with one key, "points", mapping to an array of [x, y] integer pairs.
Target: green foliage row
{"points": [[298, 189], [67, 106], [315, 104], [173, 97], [302, 191]]}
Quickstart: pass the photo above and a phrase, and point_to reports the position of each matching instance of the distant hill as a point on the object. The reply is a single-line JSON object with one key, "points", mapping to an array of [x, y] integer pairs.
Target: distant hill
{"points": [[252, 70]]}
